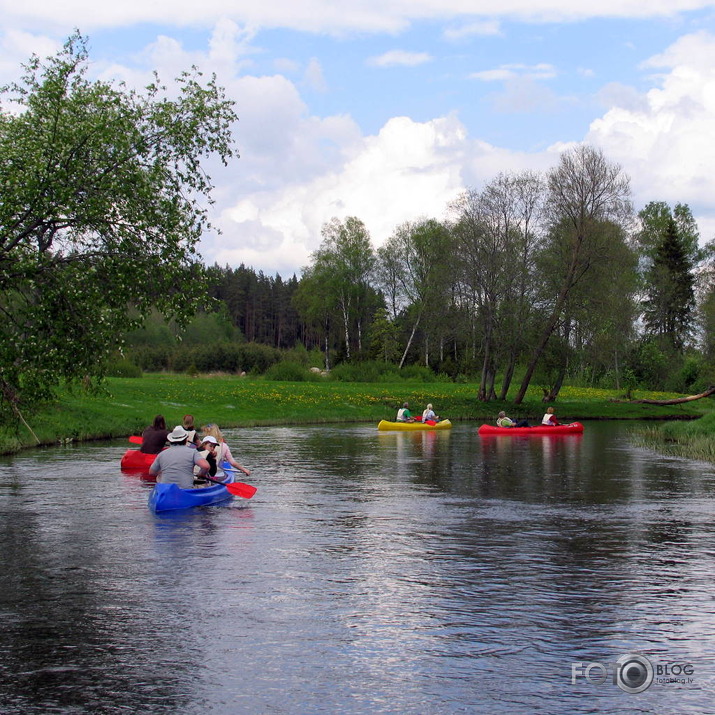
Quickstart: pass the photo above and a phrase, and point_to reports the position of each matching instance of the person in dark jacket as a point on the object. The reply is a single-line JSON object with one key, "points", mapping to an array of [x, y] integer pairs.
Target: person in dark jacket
{"points": [[154, 436]]}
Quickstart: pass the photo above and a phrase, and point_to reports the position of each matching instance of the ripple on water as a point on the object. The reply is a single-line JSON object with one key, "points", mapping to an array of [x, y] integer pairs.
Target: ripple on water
{"points": [[370, 573]]}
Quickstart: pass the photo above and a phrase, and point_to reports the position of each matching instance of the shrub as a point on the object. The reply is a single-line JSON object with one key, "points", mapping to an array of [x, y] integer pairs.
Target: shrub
{"points": [[121, 367], [150, 359], [257, 358], [368, 371], [417, 373], [289, 372]]}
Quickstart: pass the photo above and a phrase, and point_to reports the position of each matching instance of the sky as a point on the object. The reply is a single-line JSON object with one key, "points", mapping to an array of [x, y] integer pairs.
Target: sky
{"points": [[387, 110]]}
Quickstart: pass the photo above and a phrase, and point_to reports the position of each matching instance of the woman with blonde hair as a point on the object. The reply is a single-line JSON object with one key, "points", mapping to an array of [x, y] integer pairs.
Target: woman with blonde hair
{"points": [[223, 451]]}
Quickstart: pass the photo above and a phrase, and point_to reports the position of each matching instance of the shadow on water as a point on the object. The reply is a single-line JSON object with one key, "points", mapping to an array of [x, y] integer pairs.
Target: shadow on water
{"points": [[403, 572]]}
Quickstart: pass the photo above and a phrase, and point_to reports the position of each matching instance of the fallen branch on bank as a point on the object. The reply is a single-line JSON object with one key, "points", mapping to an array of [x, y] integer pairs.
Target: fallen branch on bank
{"points": [[674, 401]]}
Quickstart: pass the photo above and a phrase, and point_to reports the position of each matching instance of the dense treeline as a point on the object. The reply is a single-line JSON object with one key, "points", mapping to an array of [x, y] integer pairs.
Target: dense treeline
{"points": [[533, 278], [529, 279]]}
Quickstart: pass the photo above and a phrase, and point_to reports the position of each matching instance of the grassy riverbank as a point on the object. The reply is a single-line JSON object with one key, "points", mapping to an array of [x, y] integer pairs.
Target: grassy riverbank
{"points": [[695, 440], [128, 405]]}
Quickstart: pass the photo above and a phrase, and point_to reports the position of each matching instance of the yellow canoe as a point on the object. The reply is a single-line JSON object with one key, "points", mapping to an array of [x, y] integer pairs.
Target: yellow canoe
{"points": [[385, 425]]}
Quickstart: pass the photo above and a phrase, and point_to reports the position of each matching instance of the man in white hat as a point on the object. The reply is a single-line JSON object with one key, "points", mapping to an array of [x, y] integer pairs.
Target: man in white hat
{"points": [[175, 465]]}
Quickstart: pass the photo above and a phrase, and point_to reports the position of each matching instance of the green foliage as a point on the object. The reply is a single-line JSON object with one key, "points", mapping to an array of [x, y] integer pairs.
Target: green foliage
{"points": [[209, 329], [384, 337], [417, 373], [103, 203], [121, 367], [226, 357], [220, 357], [130, 404], [693, 366], [649, 364], [551, 365], [655, 219], [368, 371], [285, 371], [151, 359], [669, 309], [155, 332], [302, 356]]}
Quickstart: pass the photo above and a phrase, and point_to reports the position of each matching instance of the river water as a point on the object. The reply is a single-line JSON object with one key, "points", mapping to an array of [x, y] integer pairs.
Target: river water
{"points": [[373, 572]]}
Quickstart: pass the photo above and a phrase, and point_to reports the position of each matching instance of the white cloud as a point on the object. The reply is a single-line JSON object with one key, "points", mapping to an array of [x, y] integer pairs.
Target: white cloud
{"points": [[513, 71], [524, 95], [615, 94], [228, 53], [313, 77], [481, 28], [16, 48], [382, 179], [298, 170], [286, 66], [399, 58], [665, 141], [322, 16]]}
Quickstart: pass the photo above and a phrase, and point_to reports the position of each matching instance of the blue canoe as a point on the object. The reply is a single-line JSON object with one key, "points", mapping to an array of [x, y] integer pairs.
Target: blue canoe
{"points": [[168, 497]]}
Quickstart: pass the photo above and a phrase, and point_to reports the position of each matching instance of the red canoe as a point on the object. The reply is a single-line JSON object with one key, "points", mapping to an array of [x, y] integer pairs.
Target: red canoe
{"points": [[134, 459], [573, 428]]}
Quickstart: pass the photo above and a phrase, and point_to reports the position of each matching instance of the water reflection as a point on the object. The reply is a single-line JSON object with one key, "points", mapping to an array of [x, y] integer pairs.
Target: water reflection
{"points": [[403, 572]]}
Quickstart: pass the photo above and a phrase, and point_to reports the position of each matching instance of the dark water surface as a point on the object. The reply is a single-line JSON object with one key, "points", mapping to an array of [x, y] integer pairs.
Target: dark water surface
{"points": [[427, 572]]}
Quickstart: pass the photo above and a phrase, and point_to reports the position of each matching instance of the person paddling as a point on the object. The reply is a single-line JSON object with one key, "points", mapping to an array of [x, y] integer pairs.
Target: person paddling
{"points": [[154, 436], [504, 421], [429, 414], [176, 464], [404, 414], [223, 452], [549, 418]]}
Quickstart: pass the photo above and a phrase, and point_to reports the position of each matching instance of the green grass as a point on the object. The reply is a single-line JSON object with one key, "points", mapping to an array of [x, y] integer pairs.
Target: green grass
{"points": [[129, 404], [695, 440]]}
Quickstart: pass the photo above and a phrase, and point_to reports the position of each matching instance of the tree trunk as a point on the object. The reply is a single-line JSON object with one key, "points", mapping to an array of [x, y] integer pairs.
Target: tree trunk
{"points": [[568, 283], [327, 348], [347, 329], [675, 401], [491, 394], [483, 394], [556, 388], [508, 374], [409, 342]]}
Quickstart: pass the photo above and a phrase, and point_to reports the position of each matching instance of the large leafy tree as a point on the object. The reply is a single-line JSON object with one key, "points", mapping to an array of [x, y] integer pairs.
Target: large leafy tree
{"points": [[669, 308], [342, 271], [497, 234], [415, 267], [655, 219], [585, 192], [103, 200], [597, 318]]}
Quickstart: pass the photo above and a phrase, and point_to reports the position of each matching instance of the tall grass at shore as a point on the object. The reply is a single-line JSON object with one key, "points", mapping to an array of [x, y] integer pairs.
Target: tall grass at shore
{"points": [[695, 440], [127, 405]]}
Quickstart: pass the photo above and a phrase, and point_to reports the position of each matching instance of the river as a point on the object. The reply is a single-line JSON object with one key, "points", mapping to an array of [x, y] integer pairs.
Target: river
{"points": [[373, 572]]}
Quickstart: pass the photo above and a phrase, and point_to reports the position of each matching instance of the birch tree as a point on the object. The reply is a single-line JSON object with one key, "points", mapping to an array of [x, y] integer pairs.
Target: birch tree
{"points": [[584, 191]]}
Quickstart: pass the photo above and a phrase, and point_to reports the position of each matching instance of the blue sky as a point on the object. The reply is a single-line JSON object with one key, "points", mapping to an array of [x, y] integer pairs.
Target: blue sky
{"points": [[387, 110]]}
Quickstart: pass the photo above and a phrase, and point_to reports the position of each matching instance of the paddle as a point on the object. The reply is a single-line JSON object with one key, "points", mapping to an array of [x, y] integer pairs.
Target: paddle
{"points": [[238, 488], [135, 439]]}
